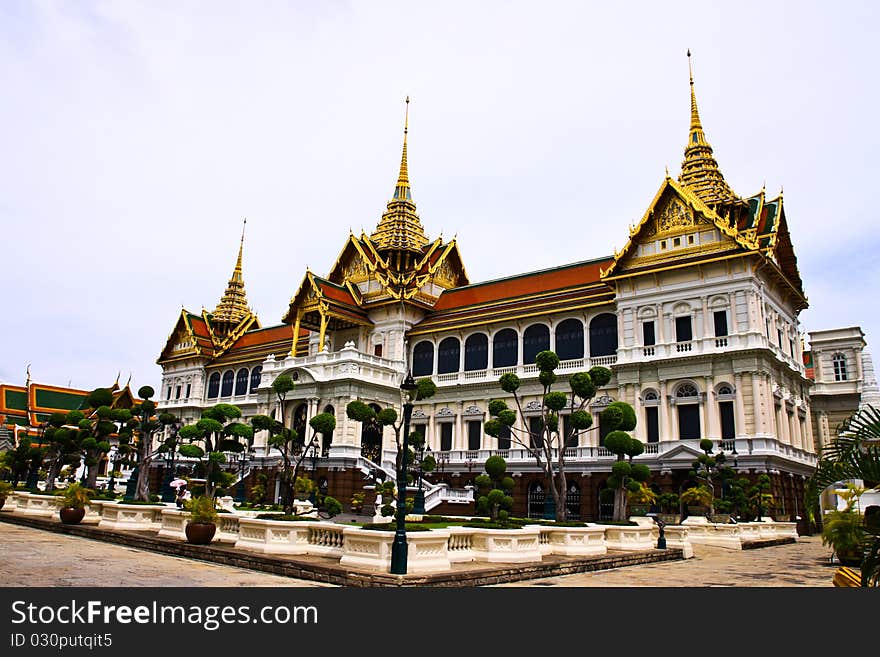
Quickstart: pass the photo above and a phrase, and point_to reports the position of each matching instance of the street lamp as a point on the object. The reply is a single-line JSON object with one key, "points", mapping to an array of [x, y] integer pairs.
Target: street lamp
{"points": [[243, 458], [399, 547]]}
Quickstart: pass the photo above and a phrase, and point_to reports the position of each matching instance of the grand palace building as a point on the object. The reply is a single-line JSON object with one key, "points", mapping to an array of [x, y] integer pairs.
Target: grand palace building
{"points": [[697, 317]]}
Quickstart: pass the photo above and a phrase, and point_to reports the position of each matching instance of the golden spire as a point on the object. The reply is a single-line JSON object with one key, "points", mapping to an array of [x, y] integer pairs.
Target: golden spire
{"points": [[400, 228], [699, 170], [233, 305]]}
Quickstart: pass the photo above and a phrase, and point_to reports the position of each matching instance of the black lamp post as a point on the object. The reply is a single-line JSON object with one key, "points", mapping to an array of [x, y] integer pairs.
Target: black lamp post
{"points": [[399, 547], [419, 499], [243, 458]]}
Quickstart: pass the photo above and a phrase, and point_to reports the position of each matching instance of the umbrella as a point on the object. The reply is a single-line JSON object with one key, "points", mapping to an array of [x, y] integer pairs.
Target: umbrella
{"points": [[177, 483]]}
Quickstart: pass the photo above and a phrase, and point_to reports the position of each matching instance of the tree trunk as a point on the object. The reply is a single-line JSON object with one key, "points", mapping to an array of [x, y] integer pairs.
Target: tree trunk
{"points": [[142, 490], [620, 504], [54, 469], [92, 473]]}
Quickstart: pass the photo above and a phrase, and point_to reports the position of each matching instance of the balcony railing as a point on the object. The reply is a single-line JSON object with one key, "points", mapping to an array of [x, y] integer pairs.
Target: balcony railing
{"points": [[525, 371]]}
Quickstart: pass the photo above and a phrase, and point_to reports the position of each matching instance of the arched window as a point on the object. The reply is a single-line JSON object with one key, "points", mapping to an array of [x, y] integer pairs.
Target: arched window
{"points": [[371, 438], [423, 359], [687, 390], [651, 395], [241, 382], [688, 412], [603, 335], [327, 438], [448, 356], [226, 388], [476, 352], [256, 375], [570, 339], [725, 390], [299, 422], [213, 385], [838, 361], [536, 339], [505, 346]]}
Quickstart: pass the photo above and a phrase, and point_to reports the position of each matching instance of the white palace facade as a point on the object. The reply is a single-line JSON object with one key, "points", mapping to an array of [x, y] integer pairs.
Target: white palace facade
{"points": [[697, 317]]}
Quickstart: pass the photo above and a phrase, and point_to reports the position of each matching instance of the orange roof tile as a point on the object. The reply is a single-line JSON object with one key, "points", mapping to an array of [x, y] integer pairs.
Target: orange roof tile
{"points": [[577, 274]]}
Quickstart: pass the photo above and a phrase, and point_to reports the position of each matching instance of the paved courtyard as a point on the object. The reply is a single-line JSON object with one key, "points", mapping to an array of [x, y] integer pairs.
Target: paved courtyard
{"points": [[48, 559], [805, 563]]}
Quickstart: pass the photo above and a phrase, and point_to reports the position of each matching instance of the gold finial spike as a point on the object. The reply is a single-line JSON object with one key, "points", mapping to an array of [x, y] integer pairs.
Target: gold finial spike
{"points": [[402, 189], [28, 370], [233, 306], [695, 114], [667, 170]]}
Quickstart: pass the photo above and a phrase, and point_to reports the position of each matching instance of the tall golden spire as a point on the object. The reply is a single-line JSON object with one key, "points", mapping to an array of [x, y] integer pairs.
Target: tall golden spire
{"points": [[400, 228], [233, 305], [699, 170]]}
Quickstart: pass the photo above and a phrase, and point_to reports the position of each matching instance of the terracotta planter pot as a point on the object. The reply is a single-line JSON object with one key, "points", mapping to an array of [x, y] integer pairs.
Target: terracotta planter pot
{"points": [[71, 516], [200, 533]]}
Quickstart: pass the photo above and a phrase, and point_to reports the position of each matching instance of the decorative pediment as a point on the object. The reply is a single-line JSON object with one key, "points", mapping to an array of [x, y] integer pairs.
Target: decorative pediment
{"points": [[473, 410]]}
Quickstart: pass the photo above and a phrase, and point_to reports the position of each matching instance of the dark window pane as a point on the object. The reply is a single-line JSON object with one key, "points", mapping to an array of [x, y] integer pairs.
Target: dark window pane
{"points": [[536, 431], [504, 437], [226, 388], [720, 323], [536, 339], [476, 352], [570, 339], [571, 441], [728, 424], [213, 386], [689, 421], [423, 359], [474, 434], [648, 334], [604, 430], [446, 436], [683, 332], [241, 382], [256, 373], [652, 419], [603, 335], [505, 347], [448, 356]]}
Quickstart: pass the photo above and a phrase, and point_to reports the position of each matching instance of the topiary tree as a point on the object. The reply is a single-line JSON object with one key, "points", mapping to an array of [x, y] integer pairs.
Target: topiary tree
{"points": [[548, 444], [759, 495], [60, 444], [494, 490], [625, 477], [388, 417], [137, 440], [709, 469], [94, 433]]}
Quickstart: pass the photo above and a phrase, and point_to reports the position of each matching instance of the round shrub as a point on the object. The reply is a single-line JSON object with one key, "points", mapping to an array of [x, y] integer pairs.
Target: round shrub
{"points": [[507, 417], [387, 417], [323, 423], [617, 442], [483, 482], [627, 420], [706, 445], [633, 486], [582, 385], [600, 375], [191, 451], [425, 388], [359, 411], [635, 447], [509, 382], [495, 467], [555, 401], [496, 406], [492, 428], [496, 497], [332, 506], [208, 425], [552, 422], [100, 397], [640, 472], [581, 420], [621, 468], [507, 483], [547, 361], [547, 379]]}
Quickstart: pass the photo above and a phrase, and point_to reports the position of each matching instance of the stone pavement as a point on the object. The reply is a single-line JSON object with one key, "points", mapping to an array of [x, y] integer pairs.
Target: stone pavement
{"points": [[33, 557], [41, 558], [802, 564]]}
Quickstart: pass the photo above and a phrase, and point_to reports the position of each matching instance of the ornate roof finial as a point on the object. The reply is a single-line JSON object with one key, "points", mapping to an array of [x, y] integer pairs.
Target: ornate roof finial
{"points": [[233, 306], [28, 370], [400, 228], [699, 170]]}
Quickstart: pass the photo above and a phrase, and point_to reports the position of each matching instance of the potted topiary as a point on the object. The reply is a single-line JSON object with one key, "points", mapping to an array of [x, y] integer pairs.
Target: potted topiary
{"points": [[357, 502], [640, 499], [202, 525], [73, 504], [697, 499], [722, 510], [669, 508]]}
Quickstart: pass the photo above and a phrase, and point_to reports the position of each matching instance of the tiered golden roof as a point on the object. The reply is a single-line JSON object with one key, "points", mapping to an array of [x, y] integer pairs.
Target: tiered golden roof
{"points": [[233, 306], [699, 170], [400, 228]]}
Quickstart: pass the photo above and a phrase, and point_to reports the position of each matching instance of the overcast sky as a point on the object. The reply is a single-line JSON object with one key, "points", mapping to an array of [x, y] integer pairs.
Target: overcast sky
{"points": [[136, 136]]}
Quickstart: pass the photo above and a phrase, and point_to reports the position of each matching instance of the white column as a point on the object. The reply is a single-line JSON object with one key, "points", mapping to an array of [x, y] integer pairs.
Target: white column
{"points": [[665, 413], [757, 392], [641, 431], [713, 420], [739, 406]]}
